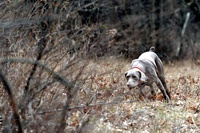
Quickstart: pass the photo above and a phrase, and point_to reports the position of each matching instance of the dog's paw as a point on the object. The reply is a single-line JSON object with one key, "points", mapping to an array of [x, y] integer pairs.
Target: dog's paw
{"points": [[159, 97]]}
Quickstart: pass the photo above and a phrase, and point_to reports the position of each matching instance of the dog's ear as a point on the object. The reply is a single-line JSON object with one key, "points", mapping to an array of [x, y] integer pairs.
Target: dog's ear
{"points": [[143, 77], [126, 74], [139, 75]]}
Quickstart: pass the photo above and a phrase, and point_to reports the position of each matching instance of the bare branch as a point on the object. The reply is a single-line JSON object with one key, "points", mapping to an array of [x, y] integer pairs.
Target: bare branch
{"points": [[41, 47], [26, 21], [64, 81], [9, 89], [182, 34]]}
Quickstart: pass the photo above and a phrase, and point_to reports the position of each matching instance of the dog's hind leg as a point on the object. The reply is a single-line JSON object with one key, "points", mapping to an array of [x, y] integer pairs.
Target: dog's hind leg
{"points": [[162, 89], [165, 86]]}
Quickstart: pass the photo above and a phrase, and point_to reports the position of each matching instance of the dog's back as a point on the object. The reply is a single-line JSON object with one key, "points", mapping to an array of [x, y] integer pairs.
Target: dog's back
{"points": [[154, 59], [149, 55]]}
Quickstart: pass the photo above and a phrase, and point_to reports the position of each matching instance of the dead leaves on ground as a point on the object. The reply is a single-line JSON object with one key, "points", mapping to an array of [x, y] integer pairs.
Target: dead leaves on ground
{"points": [[130, 112], [154, 115]]}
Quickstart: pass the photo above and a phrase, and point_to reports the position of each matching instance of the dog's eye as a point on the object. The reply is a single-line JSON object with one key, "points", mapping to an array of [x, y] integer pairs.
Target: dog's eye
{"points": [[127, 77], [134, 77]]}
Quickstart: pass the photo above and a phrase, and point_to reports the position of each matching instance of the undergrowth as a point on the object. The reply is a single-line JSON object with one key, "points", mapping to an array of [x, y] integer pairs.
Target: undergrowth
{"points": [[102, 102]]}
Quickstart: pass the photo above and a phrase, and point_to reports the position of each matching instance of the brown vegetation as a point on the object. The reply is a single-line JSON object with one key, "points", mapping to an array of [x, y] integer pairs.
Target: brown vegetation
{"points": [[63, 63], [102, 101]]}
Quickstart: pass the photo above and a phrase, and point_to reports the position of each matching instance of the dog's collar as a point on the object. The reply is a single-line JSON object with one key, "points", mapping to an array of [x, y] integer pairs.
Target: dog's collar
{"points": [[143, 76], [137, 68]]}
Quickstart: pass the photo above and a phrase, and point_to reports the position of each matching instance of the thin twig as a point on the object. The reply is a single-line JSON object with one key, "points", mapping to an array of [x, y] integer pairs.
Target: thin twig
{"points": [[55, 75], [41, 47], [195, 123]]}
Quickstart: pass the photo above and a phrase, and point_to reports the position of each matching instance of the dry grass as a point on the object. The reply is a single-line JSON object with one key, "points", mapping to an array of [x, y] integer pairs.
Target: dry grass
{"points": [[134, 115], [103, 103]]}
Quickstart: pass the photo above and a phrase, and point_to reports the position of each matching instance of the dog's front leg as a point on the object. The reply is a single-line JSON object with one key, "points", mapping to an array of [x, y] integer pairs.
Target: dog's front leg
{"points": [[141, 87], [152, 90], [141, 95], [162, 89]]}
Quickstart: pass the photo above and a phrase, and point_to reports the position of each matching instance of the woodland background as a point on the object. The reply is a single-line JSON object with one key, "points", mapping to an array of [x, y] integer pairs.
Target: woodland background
{"points": [[63, 63]]}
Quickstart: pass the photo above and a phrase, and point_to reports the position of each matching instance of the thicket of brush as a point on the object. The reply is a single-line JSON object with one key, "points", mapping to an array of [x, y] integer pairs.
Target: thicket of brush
{"points": [[53, 77]]}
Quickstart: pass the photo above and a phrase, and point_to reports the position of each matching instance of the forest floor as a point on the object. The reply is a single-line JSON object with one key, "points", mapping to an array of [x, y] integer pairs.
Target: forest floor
{"points": [[103, 103], [131, 113]]}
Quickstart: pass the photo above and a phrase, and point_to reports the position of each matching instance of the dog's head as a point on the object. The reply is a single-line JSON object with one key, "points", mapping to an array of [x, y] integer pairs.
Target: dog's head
{"points": [[134, 78]]}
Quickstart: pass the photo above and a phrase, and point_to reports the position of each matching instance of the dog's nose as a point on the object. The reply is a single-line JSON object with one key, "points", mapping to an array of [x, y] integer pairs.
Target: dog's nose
{"points": [[128, 85]]}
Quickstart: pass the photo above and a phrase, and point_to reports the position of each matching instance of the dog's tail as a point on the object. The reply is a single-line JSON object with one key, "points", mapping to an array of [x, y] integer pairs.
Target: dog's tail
{"points": [[152, 49]]}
